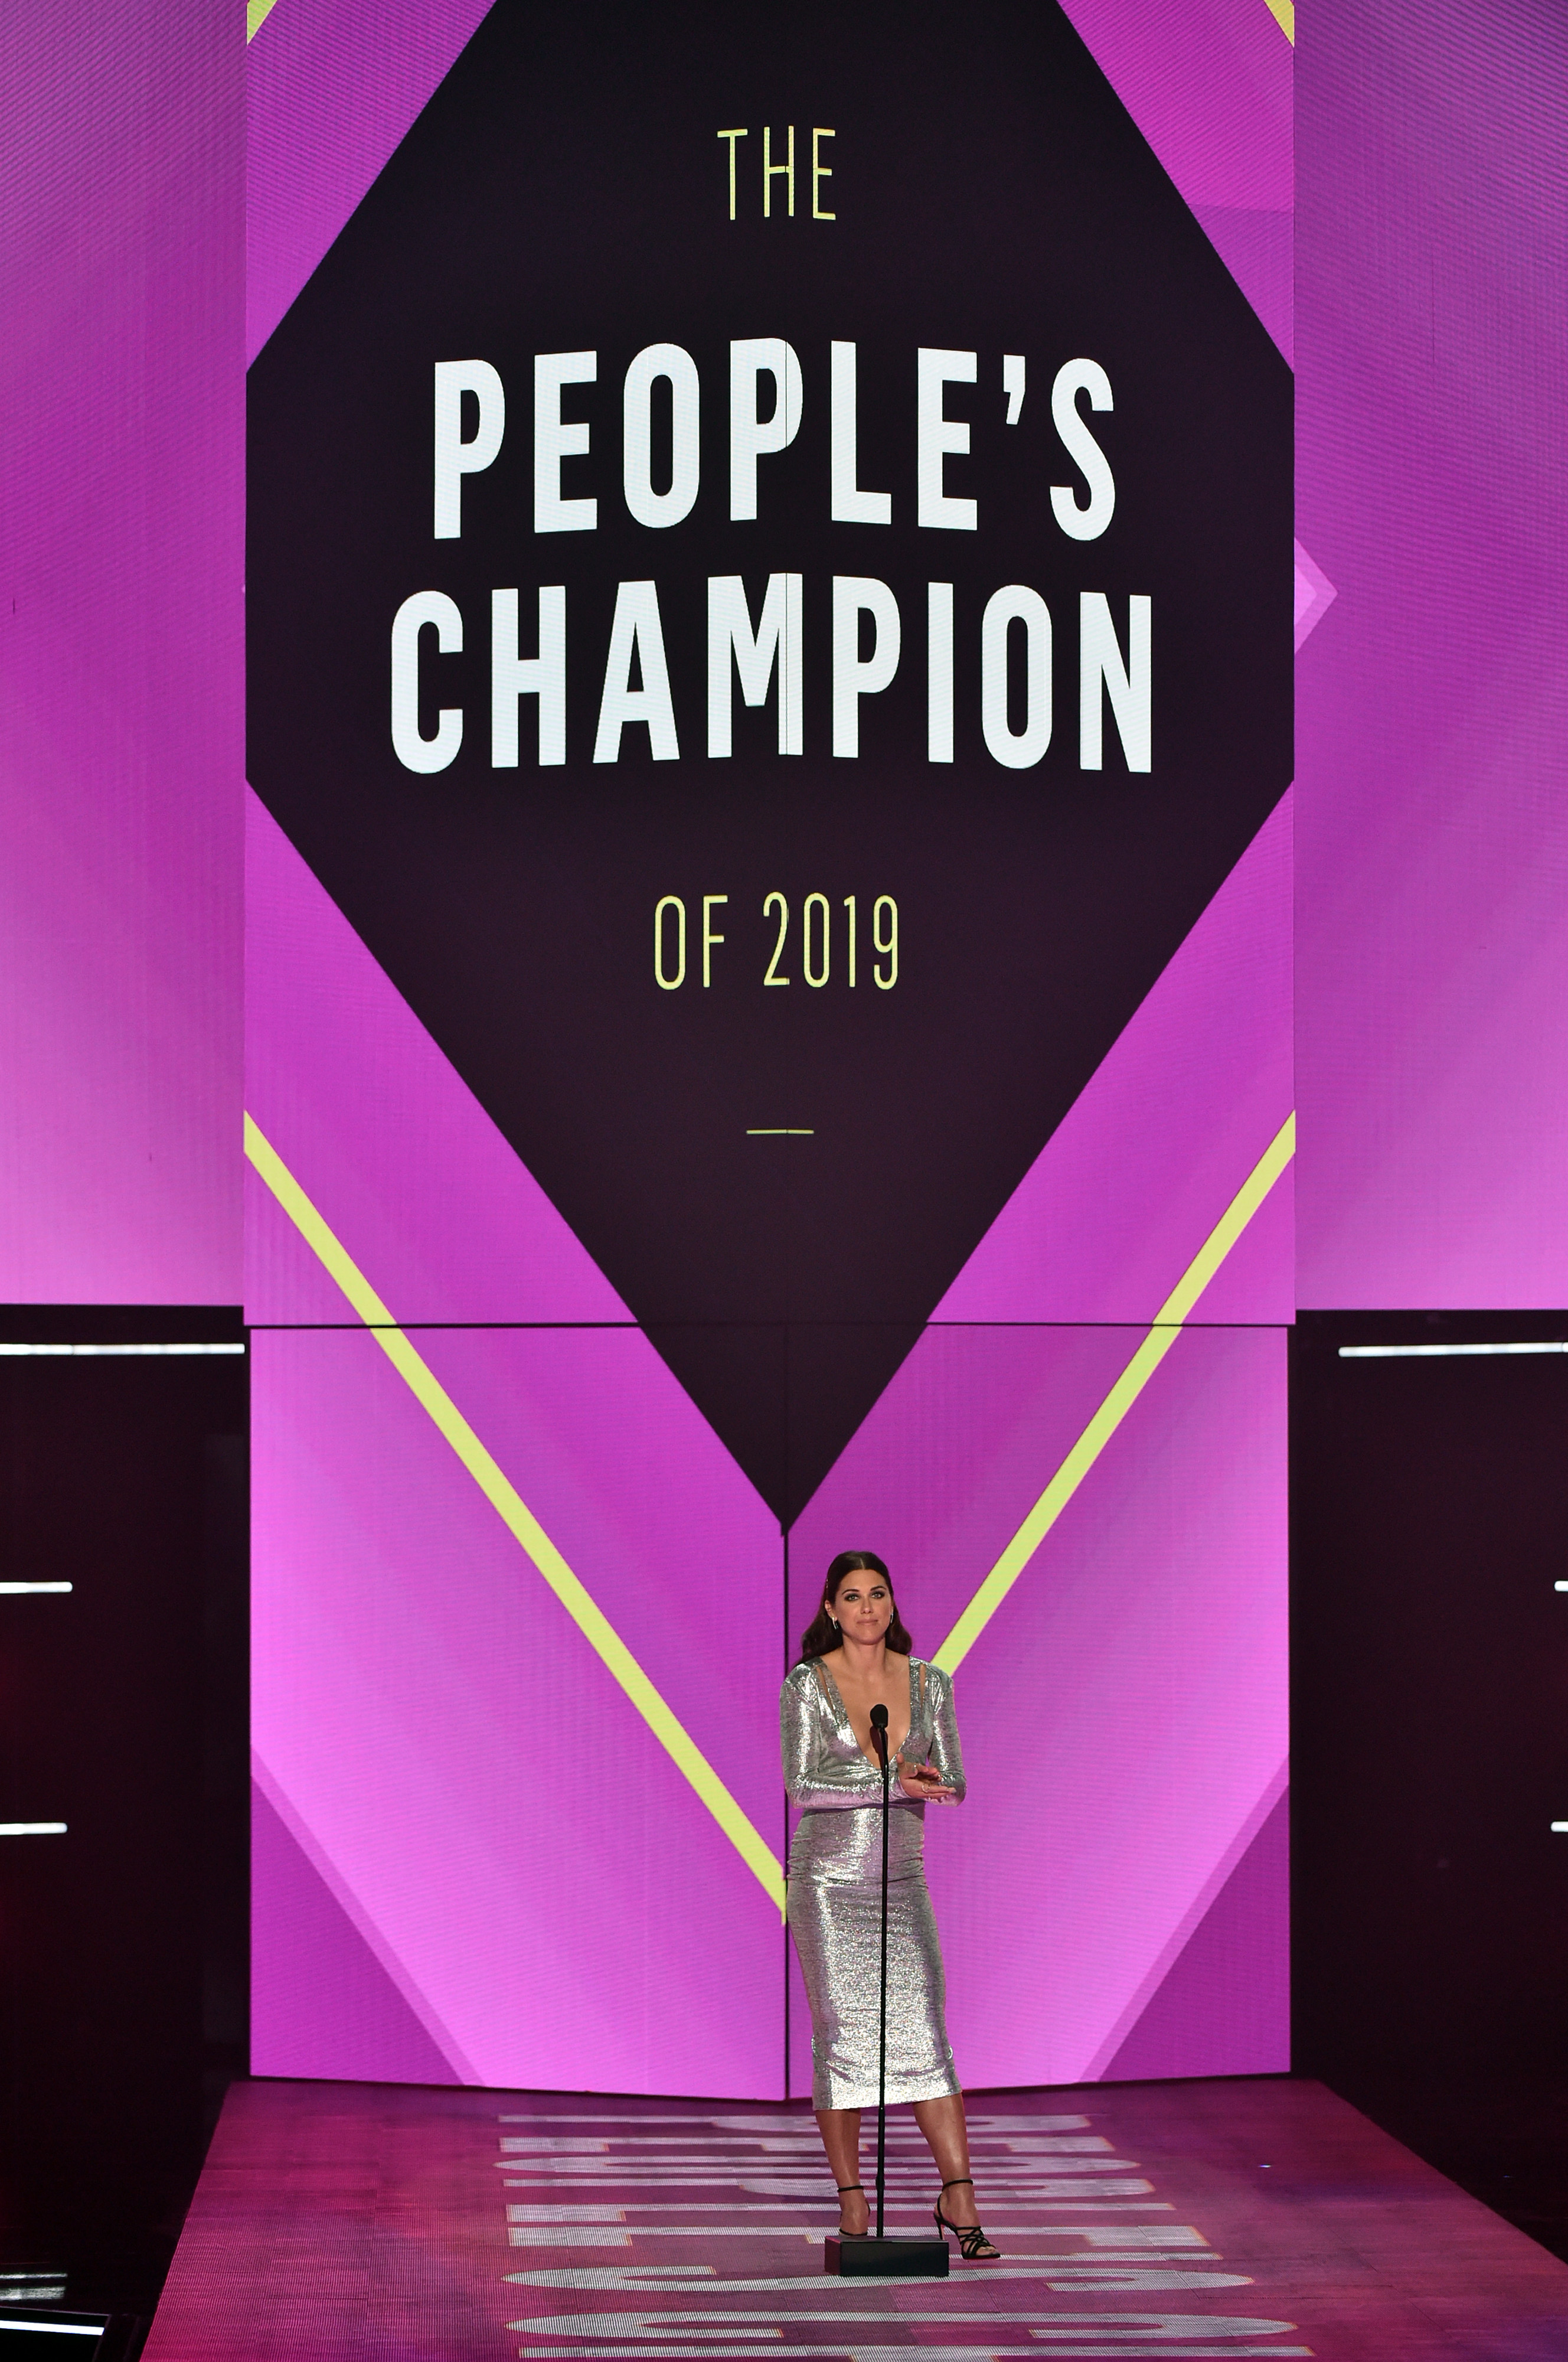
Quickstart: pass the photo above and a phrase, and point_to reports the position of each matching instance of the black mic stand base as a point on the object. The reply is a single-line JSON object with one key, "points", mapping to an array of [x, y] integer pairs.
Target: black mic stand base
{"points": [[878, 2258], [886, 2259]]}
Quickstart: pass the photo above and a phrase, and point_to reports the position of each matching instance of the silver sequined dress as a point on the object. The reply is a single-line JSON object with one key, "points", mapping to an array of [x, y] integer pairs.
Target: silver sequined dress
{"points": [[835, 1890]]}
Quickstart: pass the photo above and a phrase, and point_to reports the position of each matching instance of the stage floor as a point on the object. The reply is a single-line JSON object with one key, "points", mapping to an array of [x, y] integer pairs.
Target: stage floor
{"points": [[1167, 2220]]}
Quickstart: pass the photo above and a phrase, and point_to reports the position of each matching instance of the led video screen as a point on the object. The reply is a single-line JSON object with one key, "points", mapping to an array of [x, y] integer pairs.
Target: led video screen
{"points": [[768, 1028]]}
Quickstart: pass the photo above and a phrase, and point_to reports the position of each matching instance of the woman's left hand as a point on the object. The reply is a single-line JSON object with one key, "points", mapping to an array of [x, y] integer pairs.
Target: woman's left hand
{"points": [[923, 1783]]}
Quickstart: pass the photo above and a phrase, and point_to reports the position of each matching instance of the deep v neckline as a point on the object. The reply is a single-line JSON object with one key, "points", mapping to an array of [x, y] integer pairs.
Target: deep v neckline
{"points": [[893, 1753]]}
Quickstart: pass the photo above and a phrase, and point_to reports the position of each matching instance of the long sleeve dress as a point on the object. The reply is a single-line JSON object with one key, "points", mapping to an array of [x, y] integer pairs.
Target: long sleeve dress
{"points": [[835, 1890]]}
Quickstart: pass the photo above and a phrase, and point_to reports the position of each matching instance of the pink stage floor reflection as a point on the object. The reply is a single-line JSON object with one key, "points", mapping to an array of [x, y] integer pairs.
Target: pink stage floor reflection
{"points": [[398, 2223]]}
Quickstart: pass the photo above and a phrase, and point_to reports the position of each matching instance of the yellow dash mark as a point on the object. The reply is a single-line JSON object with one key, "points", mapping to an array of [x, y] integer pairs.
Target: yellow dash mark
{"points": [[1120, 1400], [1282, 11], [257, 11], [515, 1514]]}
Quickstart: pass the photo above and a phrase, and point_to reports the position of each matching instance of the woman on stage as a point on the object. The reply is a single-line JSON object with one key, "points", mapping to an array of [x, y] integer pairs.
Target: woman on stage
{"points": [[856, 1655]]}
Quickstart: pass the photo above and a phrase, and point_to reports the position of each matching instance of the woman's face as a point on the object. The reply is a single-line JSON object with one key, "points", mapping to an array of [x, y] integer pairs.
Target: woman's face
{"points": [[863, 1607]]}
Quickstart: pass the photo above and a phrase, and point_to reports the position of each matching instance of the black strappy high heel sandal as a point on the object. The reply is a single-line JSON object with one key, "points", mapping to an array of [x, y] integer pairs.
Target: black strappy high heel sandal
{"points": [[973, 2243], [844, 2189]]}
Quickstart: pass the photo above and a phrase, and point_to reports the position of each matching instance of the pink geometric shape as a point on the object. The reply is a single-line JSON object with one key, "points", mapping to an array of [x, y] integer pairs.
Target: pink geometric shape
{"points": [[319, 1995], [1211, 87], [122, 420], [1222, 2005], [1128, 1187], [1314, 595], [491, 1815], [1258, 248], [1199, 1912], [382, 1135], [332, 88]]}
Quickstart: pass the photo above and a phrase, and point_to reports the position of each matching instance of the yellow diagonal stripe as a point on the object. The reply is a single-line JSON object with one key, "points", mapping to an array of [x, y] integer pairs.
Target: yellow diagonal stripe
{"points": [[257, 11], [1120, 1399], [1282, 11], [515, 1514]]}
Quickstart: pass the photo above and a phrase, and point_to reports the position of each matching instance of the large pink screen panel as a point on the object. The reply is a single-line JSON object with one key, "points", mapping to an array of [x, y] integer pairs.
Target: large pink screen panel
{"points": [[122, 416], [1113, 1894], [1433, 696], [769, 1006], [476, 1861]]}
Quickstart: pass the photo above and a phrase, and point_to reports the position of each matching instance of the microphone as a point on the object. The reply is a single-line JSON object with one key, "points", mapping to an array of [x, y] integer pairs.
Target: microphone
{"points": [[879, 1734]]}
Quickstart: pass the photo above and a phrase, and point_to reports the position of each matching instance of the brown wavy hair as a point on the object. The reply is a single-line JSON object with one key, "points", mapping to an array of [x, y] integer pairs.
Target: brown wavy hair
{"points": [[822, 1633]]}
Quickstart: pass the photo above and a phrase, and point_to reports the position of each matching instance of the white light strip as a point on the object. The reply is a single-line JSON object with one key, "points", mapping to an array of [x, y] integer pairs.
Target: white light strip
{"points": [[1416, 1352], [8, 1347], [15, 1590], [56, 2328], [1560, 1828], [32, 1828], [1560, 1586]]}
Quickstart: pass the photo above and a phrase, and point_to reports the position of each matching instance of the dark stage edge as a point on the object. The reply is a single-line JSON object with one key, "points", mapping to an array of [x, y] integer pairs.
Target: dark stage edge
{"points": [[1221, 2220]]}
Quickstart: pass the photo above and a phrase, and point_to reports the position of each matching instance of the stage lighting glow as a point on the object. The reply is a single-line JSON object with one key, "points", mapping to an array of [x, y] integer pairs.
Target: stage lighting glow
{"points": [[13, 1590], [32, 1828]]}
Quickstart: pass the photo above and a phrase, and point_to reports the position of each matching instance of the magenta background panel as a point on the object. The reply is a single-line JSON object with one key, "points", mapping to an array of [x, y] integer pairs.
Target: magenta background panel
{"points": [[1125, 1714], [332, 85], [384, 1137], [122, 422], [1432, 698], [1226, 1997], [489, 1815], [1130, 1184], [1208, 85], [325, 1988]]}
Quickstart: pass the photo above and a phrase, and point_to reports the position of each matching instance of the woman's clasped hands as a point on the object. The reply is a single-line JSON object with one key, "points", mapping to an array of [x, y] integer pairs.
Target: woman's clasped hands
{"points": [[923, 1783]]}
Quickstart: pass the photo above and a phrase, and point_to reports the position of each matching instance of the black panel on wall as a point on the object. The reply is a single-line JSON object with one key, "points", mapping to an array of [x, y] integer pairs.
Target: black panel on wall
{"points": [[123, 1705], [1430, 1742]]}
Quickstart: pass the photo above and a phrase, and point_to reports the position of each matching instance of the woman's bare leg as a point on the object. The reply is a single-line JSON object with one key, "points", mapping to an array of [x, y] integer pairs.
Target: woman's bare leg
{"points": [[840, 2129], [941, 2122]]}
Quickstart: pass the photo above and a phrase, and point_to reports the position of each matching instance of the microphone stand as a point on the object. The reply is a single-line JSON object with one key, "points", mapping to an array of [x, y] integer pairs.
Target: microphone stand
{"points": [[877, 2257], [879, 1741]]}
